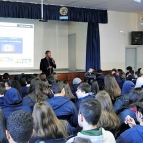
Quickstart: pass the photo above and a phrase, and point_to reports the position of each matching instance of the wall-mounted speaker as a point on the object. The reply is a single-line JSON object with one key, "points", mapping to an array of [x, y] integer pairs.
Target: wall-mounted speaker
{"points": [[137, 37]]}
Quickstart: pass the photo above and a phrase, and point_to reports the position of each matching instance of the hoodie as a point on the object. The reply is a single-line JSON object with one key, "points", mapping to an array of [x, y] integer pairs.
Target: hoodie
{"points": [[13, 102], [132, 135], [89, 95], [63, 106], [127, 87], [103, 137]]}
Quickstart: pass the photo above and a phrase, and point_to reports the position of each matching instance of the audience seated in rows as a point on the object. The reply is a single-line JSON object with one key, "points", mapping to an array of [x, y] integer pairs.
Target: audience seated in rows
{"points": [[108, 119], [63, 107], [83, 92], [88, 117], [19, 127], [135, 133]]}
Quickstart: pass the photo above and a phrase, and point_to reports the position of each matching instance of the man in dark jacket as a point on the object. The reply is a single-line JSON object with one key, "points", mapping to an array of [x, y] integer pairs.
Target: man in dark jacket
{"points": [[47, 64], [63, 106]]}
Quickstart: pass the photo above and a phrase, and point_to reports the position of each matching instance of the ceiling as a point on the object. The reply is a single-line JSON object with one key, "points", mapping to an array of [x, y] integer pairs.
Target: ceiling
{"points": [[113, 5]]}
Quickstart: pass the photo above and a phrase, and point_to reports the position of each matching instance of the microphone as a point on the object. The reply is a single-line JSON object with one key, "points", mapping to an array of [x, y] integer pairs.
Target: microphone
{"points": [[53, 60]]}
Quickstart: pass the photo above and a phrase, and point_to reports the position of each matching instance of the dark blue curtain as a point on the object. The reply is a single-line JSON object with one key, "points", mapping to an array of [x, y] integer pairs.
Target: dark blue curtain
{"points": [[51, 12], [93, 47]]}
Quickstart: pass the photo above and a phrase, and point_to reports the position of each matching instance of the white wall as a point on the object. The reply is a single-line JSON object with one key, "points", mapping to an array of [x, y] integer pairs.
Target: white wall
{"points": [[52, 35], [113, 42], [80, 29]]}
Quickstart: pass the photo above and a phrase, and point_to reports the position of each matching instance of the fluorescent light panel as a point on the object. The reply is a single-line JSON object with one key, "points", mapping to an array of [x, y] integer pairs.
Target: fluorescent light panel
{"points": [[138, 1]]}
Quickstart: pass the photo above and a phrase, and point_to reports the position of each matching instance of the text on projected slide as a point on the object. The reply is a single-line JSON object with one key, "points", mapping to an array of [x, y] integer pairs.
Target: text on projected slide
{"points": [[16, 45]]}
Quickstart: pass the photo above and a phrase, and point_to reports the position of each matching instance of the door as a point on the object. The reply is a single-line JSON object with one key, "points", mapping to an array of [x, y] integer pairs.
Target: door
{"points": [[131, 58], [72, 51]]}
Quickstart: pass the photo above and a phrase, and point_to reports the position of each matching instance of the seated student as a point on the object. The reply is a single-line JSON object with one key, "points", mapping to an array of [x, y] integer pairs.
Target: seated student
{"points": [[5, 76], [24, 88], [135, 133], [94, 87], [2, 92], [90, 75], [137, 75], [83, 92], [63, 106], [46, 90], [35, 93], [129, 68], [42, 76], [3, 138], [112, 87], [127, 87], [19, 127], [13, 83], [100, 79], [130, 75], [108, 119], [68, 92], [124, 104], [75, 84], [47, 127], [13, 102], [88, 117]]}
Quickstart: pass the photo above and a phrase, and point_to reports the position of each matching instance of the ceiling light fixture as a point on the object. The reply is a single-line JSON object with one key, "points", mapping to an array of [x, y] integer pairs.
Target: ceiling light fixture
{"points": [[139, 1]]}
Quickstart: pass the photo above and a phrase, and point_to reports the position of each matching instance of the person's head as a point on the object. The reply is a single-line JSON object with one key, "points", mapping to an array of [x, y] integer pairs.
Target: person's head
{"points": [[137, 74], [135, 95], [83, 89], [114, 71], [12, 98], [68, 92], [19, 127], [36, 89], [29, 78], [99, 71], [81, 140], [76, 81], [45, 86], [5, 76], [111, 86], [105, 101], [139, 113], [58, 89], [129, 68], [2, 89], [46, 124], [55, 76], [51, 79], [3, 138], [89, 113], [23, 80], [141, 72], [48, 54], [7, 84], [43, 76], [91, 70], [95, 87], [127, 87]]}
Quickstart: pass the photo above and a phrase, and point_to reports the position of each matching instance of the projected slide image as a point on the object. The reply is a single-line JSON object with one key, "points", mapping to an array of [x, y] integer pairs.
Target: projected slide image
{"points": [[11, 45]]}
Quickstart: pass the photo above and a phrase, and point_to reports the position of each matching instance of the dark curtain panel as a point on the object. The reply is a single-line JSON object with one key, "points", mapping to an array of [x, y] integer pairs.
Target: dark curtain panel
{"points": [[93, 47], [51, 12]]}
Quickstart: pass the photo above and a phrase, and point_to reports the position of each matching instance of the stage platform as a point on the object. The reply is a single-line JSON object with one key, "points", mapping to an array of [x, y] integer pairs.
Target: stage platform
{"points": [[63, 74]]}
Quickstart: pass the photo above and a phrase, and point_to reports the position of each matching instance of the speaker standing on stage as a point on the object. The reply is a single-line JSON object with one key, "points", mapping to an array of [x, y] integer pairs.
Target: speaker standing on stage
{"points": [[47, 64]]}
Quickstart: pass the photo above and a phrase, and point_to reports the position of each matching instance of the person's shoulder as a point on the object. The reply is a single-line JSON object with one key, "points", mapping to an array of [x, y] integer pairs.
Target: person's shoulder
{"points": [[43, 59], [70, 140], [108, 136]]}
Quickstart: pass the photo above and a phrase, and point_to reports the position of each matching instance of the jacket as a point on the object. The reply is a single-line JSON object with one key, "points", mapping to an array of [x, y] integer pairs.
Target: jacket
{"points": [[44, 64], [63, 106], [132, 135], [105, 137], [127, 87], [13, 102]]}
